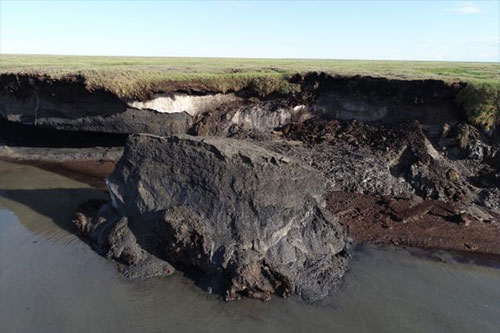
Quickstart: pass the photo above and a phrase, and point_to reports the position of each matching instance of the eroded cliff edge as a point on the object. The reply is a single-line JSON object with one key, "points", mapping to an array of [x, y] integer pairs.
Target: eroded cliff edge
{"points": [[67, 104]]}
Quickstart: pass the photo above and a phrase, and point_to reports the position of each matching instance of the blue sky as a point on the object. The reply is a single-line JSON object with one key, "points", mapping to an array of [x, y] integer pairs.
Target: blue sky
{"points": [[407, 30]]}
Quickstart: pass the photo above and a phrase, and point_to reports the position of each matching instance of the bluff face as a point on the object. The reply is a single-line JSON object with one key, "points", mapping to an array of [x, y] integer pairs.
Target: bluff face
{"points": [[246, 220]]}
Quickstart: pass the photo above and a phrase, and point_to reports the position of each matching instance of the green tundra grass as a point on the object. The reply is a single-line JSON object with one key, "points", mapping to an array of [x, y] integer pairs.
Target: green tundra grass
{"points": [[132, 77]]}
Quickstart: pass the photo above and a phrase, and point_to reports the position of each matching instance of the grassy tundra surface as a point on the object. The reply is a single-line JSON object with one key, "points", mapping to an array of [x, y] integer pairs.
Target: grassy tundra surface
{"points": [[133, 77]]}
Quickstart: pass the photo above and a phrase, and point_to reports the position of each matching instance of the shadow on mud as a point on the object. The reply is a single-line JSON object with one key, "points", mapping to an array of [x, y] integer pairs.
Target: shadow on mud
{"points": [[58, 204], [20, 135]]}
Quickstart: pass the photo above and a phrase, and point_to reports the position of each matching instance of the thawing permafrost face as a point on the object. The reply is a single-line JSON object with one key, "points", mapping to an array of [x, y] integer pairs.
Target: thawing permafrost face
{"points": [[259, 117], [176, 103]]}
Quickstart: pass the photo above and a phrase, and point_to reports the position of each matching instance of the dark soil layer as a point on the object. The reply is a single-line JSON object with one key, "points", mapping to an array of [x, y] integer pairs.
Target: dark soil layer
{"points": [[403, 91], [70, 91], [16, 134]]}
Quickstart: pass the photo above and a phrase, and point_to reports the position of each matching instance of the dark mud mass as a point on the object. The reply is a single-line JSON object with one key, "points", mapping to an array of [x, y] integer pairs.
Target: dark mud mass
{"points": [[399, 166], [459, 164], [251, 221]]}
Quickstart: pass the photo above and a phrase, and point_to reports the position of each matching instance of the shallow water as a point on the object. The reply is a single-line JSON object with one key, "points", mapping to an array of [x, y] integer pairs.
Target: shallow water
{"points": [[50, 281]]}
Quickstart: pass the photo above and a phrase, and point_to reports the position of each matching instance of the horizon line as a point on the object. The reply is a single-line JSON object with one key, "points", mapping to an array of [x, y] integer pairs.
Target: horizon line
{"points": [[248, 58]]}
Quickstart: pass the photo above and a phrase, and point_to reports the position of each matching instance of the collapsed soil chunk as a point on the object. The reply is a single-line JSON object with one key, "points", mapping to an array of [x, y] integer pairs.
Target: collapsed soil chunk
{"points": [[249, 221]]}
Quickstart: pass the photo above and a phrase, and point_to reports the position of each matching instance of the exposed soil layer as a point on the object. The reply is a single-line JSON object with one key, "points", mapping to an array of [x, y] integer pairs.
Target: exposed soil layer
{"points": [[68, 104], [31, 97]]}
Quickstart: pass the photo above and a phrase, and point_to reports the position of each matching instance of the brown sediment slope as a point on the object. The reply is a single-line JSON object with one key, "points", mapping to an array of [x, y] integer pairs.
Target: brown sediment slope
{"points": [[427, 224], [404, 165]]}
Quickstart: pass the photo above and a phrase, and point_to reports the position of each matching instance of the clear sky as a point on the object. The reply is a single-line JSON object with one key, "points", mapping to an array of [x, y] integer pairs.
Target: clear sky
{"points": [[408, 30]]}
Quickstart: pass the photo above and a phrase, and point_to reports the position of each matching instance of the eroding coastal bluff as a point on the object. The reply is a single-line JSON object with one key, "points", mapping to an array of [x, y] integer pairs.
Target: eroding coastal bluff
{"points": [[258, 192]]}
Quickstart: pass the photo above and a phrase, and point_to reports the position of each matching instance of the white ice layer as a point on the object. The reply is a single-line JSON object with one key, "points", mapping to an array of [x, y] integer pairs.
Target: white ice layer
{"points": [[192, 105]]}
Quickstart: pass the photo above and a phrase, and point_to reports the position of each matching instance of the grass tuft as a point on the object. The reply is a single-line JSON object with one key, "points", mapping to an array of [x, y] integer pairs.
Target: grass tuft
{"points": [[481, 103]]}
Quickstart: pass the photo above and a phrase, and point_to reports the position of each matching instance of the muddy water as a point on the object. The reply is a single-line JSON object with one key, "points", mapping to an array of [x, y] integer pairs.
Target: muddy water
{"points": [[50, 281]]}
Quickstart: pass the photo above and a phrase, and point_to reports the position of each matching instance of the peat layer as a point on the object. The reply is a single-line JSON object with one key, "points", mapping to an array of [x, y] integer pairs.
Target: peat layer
{"points": [[396, 160]]}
